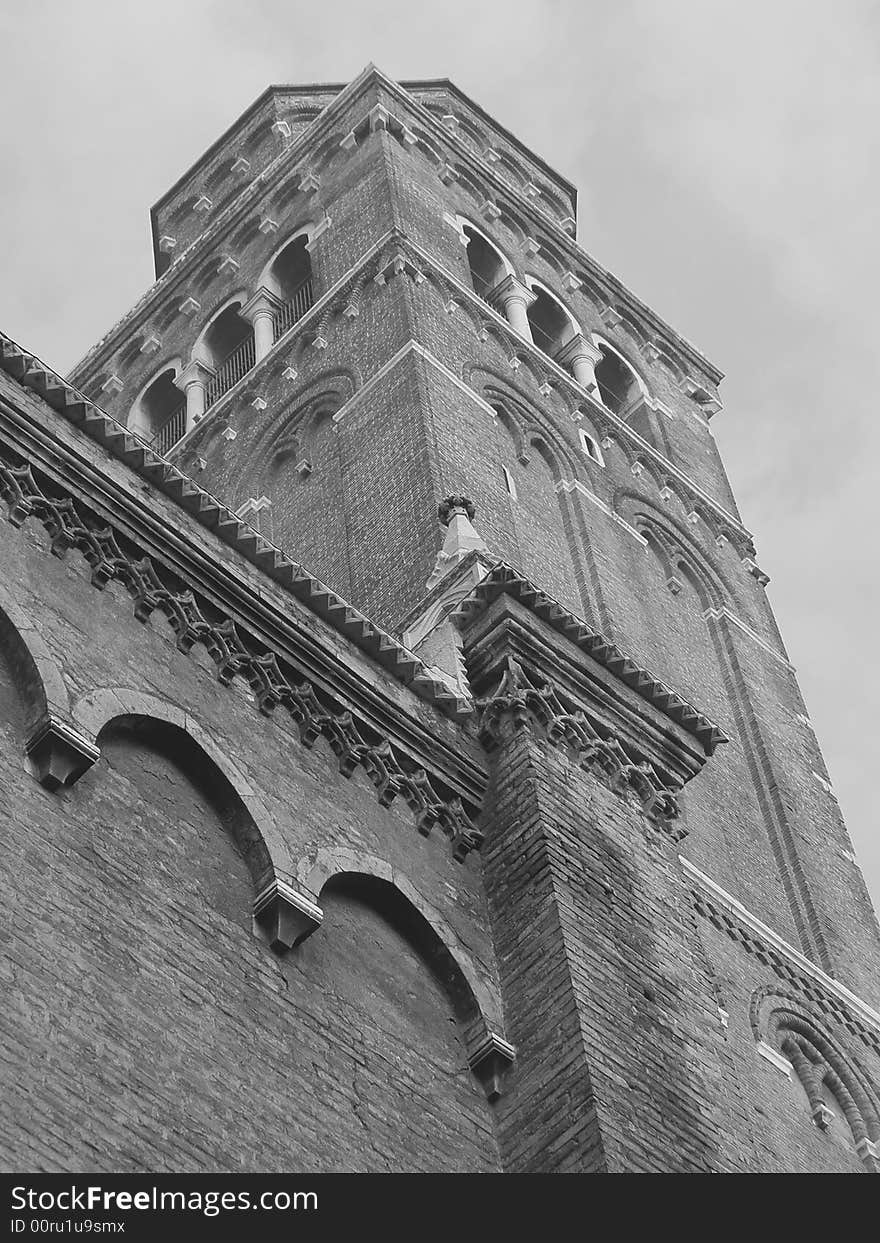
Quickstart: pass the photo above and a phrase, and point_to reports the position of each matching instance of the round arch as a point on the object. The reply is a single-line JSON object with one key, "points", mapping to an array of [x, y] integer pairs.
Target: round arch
{"points": [[223, 332], [41, 683], [157, 402], [552, 323], [474, 993], [618, 380], [265, 850], [274, 275], [488, 263]]}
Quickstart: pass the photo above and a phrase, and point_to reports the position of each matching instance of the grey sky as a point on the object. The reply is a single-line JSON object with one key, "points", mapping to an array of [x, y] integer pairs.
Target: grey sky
{"points": [[727, 159]]}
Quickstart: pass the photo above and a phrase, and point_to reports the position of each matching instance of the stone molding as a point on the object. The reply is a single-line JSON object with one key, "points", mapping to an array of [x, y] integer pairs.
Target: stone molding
{"points": [[504, 580], [234, 653], [812, 983], [526, 700], [59, 752], [32, 374], [286, 916], [490, 1060]]}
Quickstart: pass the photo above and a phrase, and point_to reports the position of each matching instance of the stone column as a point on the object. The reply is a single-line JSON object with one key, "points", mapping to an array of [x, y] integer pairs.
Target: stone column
{"points": [[513, 298], [193, 379], [581, 357], [261, 310]]}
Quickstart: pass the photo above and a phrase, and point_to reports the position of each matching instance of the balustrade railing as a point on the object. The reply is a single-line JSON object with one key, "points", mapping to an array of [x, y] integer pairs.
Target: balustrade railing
{"points": [[171, 430], [230, 371], [295, 308]]}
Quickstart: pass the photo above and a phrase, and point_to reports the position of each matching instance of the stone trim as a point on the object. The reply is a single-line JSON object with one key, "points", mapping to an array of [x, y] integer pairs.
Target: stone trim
{"points": [[724, 611], [731, 917], [503, 579], [525, 699], [32, 374], [412, 347], [153, 588], [59, 753], [490, 1061], [775, 1059], [287, 917], [575, 485]]}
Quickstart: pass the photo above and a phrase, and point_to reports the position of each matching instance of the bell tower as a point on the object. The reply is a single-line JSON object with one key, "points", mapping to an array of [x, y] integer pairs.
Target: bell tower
{"points": [[375, 336]]}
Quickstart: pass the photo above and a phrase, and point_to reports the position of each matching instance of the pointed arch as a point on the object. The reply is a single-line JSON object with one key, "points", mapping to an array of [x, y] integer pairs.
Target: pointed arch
{"points": [[661, 529]]}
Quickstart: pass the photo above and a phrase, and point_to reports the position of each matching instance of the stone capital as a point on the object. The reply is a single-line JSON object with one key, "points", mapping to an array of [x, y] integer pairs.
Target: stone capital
{"points": [[195, 372], [578, 348], [263, 302]]}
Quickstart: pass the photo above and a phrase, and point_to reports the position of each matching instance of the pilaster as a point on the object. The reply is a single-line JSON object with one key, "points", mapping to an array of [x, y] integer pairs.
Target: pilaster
{"points": [[608, 997]]}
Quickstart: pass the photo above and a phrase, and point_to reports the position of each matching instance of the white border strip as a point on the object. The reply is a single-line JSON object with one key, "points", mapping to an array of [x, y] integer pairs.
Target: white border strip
{"points": [[412, 347], [575, 485], [724, 611], [861, 1008]]}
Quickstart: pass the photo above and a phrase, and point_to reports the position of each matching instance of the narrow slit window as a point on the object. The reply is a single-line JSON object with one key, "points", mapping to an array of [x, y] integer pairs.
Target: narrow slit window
{"points": [[509, 482], [590, 446]]}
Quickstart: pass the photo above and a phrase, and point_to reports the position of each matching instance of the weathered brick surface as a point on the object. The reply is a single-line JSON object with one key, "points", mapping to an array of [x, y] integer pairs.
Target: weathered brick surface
{"points": [[145, 1026], [132, 893]]}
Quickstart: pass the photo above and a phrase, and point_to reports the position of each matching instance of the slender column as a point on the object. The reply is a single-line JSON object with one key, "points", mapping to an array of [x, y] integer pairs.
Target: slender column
{"points": [[581, 357], [261, 310], [514, 299], [193, 379]]}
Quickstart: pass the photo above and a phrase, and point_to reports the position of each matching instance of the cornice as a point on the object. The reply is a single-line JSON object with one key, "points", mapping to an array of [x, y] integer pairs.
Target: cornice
{"points": [[446, 84], [211, 513], [247, 628], [731, 917], [505, 580]]}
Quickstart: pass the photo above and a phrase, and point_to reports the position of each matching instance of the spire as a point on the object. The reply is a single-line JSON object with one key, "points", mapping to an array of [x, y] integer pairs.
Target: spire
{"points": [[456, 513]]}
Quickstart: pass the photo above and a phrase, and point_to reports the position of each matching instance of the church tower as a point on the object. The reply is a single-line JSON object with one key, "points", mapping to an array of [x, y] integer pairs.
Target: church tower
{"points": [[416, 499]]}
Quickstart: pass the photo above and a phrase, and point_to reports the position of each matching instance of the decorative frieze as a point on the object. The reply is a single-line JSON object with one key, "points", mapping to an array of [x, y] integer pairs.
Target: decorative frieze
{"points": [[526, 700], [59, 753]]}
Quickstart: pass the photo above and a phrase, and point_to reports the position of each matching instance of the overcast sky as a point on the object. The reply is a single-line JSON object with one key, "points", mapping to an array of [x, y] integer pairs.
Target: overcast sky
{"points": [[726, 155]]}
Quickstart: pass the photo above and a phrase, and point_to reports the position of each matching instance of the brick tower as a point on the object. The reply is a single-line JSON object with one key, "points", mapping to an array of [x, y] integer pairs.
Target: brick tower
{"points": [[390, 694]]}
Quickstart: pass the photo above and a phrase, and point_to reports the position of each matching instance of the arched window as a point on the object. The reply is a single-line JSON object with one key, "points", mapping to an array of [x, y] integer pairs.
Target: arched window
{"points": [[226, 345], [289, 278], [841, 1100], [619, 384], [159, 414], [551, 324], [487, 264]]}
